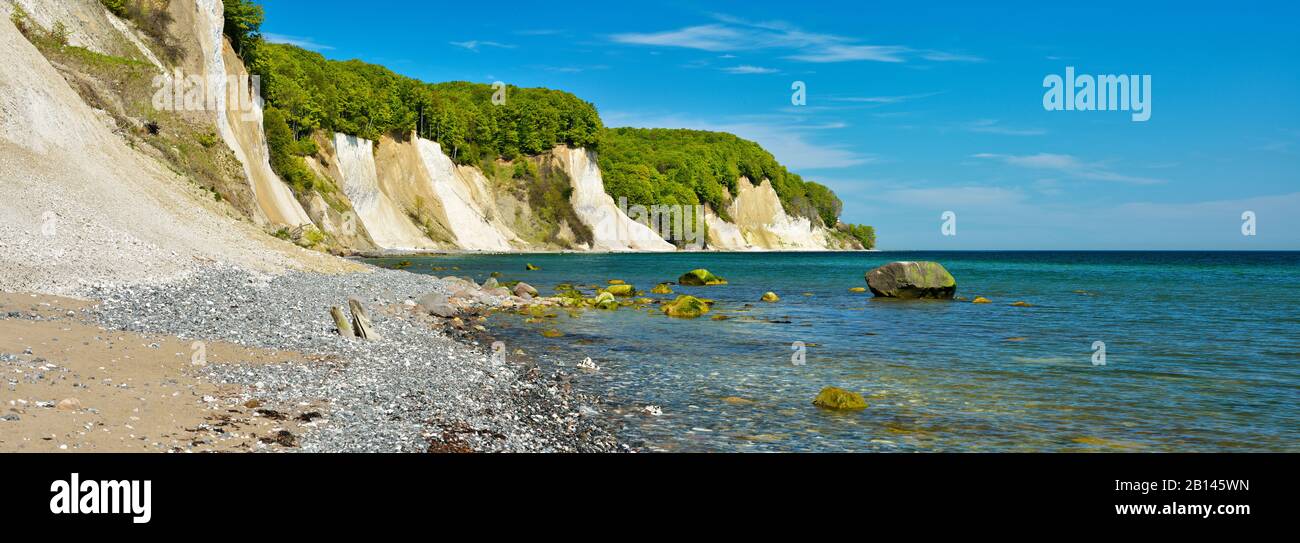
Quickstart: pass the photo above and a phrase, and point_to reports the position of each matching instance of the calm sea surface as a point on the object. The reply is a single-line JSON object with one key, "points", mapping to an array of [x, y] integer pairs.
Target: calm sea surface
{"points": [[1202, 350]]}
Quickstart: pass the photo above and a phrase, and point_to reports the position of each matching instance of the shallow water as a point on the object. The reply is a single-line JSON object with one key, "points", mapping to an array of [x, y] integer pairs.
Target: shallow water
{"points": [[1202, 350]]}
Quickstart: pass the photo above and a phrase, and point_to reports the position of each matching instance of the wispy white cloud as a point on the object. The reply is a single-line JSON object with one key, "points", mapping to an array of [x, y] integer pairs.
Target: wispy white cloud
{"points": [[954, 196], [747, 69], [846, 53], [732, 34], [993, 126], [296, 41], [944, 56], [883, 99], [1068, 165], [475, 45]]}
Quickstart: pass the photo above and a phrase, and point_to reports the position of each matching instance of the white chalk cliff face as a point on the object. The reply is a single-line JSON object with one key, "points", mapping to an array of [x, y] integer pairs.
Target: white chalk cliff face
{"points": [[385, 221], [465, 199], [724, 236], [241, 126], [611, 228], [81, 207], [757, 213]]}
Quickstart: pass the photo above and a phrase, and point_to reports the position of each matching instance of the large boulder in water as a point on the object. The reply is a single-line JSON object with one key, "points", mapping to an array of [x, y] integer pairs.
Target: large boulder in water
{"points": [[912, 280]]}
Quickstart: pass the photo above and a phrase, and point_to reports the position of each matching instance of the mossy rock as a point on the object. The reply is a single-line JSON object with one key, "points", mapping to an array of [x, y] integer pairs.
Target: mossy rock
{"points": [[531, 267], [552, 333], [838, 398], [980, 300], [1022, 304], [686, 307], [604, 300], [858, 289], [910, 280], [661, 288], [700, 278], [617, 282], [621, 290], [770, 296]]}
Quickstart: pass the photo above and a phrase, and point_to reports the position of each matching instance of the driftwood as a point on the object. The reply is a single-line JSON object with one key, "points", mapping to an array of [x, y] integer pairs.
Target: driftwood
{"points": [[361, 321], [340, 321]]}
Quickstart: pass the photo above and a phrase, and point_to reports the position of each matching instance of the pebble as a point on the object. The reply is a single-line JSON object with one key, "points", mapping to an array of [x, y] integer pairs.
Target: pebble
{"points": [[378, 396]]}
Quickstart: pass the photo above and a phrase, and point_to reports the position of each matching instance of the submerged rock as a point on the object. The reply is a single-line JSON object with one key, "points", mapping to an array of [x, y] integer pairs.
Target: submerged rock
{"points": [[980, 300], [858, 289], [661, 288], [686, 307], [771, 297], [621, 289], [700, 277], [912, 280], [604, 300], [838, 398], [531, 267]]}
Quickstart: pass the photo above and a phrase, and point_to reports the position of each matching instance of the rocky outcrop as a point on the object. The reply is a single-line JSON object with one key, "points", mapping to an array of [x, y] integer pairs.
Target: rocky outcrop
{"points": [[912, 280]]}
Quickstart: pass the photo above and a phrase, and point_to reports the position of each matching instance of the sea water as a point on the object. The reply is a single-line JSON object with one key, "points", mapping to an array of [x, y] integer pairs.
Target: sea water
{"points": [[1202, 350]]}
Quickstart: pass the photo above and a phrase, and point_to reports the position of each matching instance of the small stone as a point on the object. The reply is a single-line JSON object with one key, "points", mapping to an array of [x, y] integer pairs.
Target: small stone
{"points": [[68, 404]]}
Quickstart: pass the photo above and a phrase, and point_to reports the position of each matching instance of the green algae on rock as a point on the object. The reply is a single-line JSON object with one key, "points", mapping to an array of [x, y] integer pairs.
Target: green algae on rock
{"points": [[838, 398], [621, 289], [686, 307], [911, 280], [700, 277]]}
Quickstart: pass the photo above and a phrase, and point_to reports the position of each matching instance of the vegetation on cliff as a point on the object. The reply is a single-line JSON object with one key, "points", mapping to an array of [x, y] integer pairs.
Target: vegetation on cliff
{"points": [[306, 92], [677, 166]]}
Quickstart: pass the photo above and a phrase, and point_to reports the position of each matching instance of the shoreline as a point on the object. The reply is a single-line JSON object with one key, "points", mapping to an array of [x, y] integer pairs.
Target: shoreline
{"points": [[417, 389]]}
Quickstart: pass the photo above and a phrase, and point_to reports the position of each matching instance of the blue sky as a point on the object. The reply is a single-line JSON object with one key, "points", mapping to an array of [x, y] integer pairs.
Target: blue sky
{"points": [[912, 110]]}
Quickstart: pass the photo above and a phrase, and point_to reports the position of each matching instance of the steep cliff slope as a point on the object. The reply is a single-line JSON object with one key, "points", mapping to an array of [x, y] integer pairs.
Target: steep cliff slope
{"points": [[421, 178], [610, 226], [758, 215], [80, 207], [386, 221], [240, 120]]}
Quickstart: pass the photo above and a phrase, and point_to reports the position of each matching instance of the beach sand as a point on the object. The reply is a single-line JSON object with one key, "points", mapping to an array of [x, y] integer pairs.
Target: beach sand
{"points": [[70, 385]]}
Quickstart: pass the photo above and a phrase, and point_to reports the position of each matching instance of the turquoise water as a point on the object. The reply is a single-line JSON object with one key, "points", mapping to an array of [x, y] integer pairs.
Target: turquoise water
{"points": [[1202, 351]]}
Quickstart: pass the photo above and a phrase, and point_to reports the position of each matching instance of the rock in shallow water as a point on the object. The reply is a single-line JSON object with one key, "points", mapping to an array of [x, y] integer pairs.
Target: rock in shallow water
{"points": [[700, 277], [912, 280], [838, 398]]}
